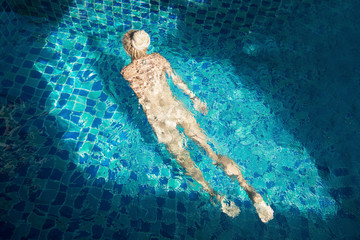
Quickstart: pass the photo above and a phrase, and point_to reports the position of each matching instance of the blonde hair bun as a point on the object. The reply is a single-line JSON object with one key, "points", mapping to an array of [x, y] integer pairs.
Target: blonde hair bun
{"points": [[140, 40]]}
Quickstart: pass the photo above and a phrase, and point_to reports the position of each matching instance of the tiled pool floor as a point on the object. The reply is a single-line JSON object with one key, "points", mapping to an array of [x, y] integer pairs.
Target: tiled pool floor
{"points": [[79, 160]]}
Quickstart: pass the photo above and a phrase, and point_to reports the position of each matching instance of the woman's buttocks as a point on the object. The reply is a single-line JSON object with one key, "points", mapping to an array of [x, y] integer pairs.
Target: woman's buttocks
{"points": [[164, 107]]}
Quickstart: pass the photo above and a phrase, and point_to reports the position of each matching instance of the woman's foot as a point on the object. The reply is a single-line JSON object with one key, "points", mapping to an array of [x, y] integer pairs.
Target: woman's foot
{"points": [[264, 211], [229, 208]]}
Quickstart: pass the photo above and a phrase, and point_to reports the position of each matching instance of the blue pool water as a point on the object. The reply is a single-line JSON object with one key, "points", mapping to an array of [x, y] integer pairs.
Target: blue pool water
{"points": [[80, 161]]}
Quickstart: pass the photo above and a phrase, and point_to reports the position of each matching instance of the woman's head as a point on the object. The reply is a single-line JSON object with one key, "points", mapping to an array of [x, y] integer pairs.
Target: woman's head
{"points": [[136, 43]]}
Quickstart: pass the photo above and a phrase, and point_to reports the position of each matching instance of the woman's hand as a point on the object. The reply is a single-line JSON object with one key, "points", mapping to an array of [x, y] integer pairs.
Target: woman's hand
{"points": [[200, 106]]}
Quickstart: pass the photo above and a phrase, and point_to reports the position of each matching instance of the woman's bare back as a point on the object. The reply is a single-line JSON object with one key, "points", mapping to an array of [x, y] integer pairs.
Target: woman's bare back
{"points": [[147, 77]]}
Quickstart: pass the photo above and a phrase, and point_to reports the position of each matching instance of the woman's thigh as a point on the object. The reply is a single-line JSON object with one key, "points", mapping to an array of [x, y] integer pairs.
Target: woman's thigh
{"points": [[192, 128], [166, 131]]}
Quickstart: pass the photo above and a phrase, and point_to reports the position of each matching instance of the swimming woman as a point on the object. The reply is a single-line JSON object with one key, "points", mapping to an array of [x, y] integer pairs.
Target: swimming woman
{"points": [[146, 75]]}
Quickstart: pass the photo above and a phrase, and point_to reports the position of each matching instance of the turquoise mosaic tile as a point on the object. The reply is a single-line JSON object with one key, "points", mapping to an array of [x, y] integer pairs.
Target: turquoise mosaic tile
{"points": [[80, 161]]}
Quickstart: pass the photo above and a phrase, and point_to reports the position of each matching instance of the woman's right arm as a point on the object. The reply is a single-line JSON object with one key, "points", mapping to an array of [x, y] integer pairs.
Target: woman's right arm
{"points": [[198, 105]]}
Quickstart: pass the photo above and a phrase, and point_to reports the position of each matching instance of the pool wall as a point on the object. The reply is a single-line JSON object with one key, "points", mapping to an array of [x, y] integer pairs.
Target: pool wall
{"points": [[218, 17]]}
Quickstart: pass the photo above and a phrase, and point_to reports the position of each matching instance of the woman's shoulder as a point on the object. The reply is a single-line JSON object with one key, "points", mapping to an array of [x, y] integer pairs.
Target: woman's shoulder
{"points": [[159, 58], [124, 69], [151, 56], [155, 55], [127, 71]]}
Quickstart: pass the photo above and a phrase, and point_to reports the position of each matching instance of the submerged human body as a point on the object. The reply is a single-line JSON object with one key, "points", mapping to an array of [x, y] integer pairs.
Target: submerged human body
{"points": [[147, 77]]}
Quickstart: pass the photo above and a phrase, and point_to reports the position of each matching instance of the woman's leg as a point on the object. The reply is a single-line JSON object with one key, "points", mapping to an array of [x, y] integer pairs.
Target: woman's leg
{"points": [[194, 131], [231, 169], [174, 144]]}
